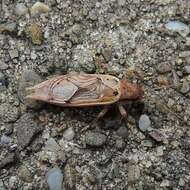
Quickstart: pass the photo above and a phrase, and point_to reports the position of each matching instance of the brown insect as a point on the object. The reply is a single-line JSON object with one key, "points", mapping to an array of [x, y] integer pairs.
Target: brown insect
{"points": [[79, 90]]}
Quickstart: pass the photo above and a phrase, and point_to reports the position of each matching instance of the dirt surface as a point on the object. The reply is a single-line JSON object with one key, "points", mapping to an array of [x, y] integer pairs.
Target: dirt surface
{"points": [[42, 146]]}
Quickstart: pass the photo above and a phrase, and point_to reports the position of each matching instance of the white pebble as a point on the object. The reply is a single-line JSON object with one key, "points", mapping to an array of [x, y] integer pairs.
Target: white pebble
{"points": [[5, 139], [21, 9], [179, 27], [55, 179], [144, 123], [69, 134]]}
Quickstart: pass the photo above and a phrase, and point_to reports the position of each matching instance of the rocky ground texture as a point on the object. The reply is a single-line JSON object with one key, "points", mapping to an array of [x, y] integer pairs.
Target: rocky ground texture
{"points": [[42, 146]]}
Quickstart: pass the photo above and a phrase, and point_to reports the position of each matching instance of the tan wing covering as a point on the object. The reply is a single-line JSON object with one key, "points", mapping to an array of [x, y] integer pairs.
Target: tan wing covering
{"points": [[82, 90], [92, 89]]}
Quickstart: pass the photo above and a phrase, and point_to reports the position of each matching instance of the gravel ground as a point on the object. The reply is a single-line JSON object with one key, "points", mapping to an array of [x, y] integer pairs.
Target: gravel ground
{"points": [[42, 146]]}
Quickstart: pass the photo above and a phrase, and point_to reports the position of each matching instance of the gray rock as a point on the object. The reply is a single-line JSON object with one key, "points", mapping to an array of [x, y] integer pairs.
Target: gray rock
{"points": [[184, 54], [13, 182], [165, 183], [176, 82], [51, 145], [3, 66], [107, 53], [133, 173], [114, 173], [29, 78], [170, 103], [8, 113], [95, 139], [122, 132], [120, 144], [164, 68], [69, 134], [13, 53], [144, 123], [21, 9], [25, 174], [179, 27], [39, 8], [121, 2], [157, 135], [147, 143], [5, 139], [10, 158], [185, 87], [26, 129], [187, 69], [160, 151], [54, 179], [9, 27]]}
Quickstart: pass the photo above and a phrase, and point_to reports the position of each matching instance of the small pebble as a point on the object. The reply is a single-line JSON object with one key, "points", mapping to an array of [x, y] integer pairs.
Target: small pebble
{"points": [[107, 53], [133, 173], [5, 139], [170, 103], [144, 123], [21, 9], [29, 78], [26, 130], [54, 179], [157, 135], [159, 151], [13, 53], [13, 182], [69, 134], [181, 181], [187, 69], [3, 66], [34, 32], [164, 68], [184, 54], [179, 27], [39, 8], [122, 132], [51, 145], [120, 144], [25, 174], [95, 139], [185, 87], [9, 27], [147, 143], [165, 183], [176, 82], [114, 172]]}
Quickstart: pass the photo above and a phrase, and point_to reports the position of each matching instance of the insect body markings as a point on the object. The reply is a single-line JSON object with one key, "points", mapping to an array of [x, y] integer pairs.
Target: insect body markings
{"points": [[79, 90]]}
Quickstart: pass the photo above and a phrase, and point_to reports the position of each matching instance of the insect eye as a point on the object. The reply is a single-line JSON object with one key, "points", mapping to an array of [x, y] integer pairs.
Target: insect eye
{"points": [[107, 79]]}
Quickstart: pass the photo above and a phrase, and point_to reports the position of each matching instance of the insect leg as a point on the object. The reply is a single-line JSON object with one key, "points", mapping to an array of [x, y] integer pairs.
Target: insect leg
{"points": [[123, 111], [100, 115]]}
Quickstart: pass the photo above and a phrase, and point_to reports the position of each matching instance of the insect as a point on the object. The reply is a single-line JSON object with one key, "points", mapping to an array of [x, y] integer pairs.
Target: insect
{"points": [[80, 90]]}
